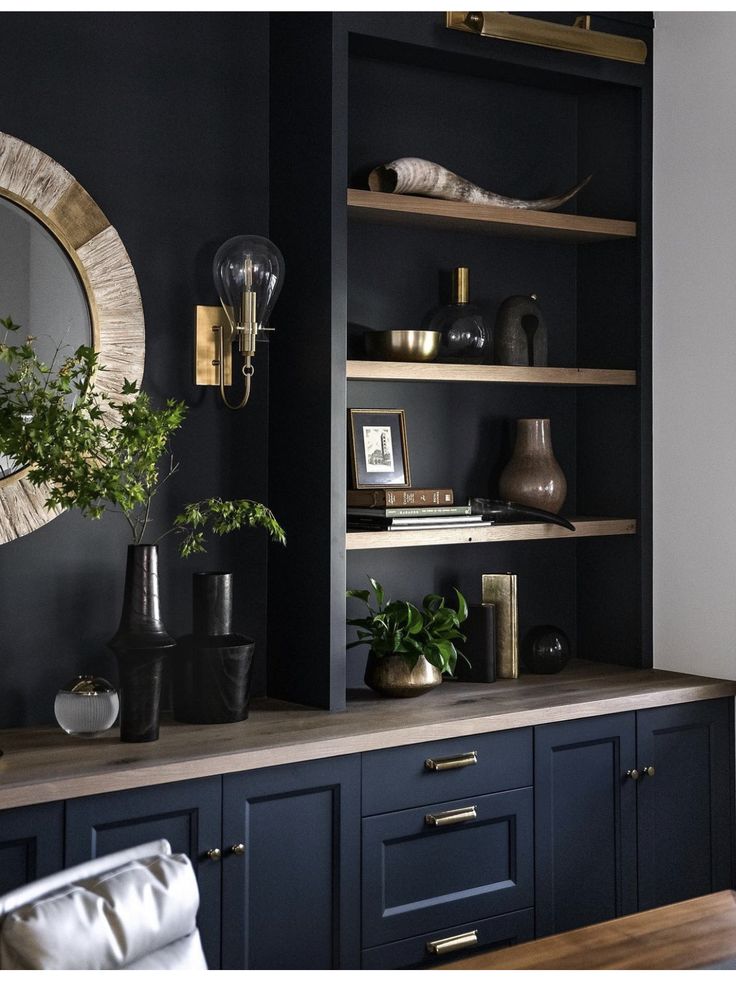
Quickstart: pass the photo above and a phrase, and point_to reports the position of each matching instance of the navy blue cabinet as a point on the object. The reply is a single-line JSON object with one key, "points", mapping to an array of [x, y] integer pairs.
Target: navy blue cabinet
{"points": [[31, 844], [398, 857], [446, 863], [291, 866], [585, 821], [632, 811], [447, 848], [685, 806], [187, 814]]}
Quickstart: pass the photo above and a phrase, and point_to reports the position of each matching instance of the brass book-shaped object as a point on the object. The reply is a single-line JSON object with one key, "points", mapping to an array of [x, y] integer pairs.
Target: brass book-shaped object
{"points": [[500, 589]]}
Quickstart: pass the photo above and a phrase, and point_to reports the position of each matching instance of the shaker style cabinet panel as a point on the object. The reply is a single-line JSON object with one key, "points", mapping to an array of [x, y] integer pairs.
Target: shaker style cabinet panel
{"points": [[585, 822], [633, 811], [31, 844], [187, 814], [291, 866], [447, 863], [685, 806]]}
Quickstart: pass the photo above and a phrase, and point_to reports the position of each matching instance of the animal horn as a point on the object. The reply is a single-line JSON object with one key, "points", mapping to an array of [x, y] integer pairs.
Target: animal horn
{"points": [[418, 177]]}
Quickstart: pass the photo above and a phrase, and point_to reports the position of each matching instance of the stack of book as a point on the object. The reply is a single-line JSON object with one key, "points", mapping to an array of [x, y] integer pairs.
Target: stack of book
{"points": [[385, 509]]}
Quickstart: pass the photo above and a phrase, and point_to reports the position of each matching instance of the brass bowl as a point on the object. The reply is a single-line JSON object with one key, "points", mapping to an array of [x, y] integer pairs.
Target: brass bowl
{"points": [[411, 345], [393, 676]]}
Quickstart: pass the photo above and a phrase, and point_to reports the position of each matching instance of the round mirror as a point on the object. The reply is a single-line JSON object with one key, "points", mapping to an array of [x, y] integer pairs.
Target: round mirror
{"points": [[41, 289], [67, 280]]}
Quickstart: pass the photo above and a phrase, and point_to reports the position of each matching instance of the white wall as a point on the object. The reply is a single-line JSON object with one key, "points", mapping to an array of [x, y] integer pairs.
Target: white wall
{"points": [[695, 343]]}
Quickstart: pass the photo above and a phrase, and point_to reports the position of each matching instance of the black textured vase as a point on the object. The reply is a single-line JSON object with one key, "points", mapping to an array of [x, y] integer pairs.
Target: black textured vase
{"points": [[212, 666], [139, 645]]}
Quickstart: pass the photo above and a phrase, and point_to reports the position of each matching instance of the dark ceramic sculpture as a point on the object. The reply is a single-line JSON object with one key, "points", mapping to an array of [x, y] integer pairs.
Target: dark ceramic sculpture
{"points": [[521, 333], [139, 644], [212, 666], [545, 650]]}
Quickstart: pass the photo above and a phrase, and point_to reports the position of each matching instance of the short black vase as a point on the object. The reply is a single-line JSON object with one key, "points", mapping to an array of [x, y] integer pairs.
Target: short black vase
{"points": [[212, 666], [139, 645]]}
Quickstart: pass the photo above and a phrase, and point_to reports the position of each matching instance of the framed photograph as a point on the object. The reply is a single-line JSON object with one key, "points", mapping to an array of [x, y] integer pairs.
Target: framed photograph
{"points": [[378, 449]]}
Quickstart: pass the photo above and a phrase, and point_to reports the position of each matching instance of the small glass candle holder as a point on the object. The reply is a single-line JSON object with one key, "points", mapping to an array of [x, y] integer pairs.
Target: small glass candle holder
{"points": [[87, 706]]}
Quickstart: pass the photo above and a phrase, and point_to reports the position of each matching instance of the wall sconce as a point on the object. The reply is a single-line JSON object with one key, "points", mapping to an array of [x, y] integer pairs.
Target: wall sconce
{"points": [[248, 273]]}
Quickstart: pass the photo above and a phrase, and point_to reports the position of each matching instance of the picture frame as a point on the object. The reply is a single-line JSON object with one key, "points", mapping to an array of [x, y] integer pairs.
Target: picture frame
{"points": [[379, 452]]}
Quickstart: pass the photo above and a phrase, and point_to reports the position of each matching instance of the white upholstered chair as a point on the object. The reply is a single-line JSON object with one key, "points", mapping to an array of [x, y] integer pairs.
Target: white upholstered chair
{"points": [[133, 910]]}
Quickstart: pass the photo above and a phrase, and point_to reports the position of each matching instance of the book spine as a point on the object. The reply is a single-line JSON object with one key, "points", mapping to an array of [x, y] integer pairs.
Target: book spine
{"points": [[459, 511], [500, 589], [386, 497]]}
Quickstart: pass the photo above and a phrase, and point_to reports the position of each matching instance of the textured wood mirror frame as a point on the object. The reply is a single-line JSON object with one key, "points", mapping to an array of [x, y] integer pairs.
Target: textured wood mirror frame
{"points": [[40, 185]]}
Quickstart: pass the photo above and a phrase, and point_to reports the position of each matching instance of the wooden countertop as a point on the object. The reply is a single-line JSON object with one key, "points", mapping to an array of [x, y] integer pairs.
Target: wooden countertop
{"points": [[41, 765], [698, 933]]}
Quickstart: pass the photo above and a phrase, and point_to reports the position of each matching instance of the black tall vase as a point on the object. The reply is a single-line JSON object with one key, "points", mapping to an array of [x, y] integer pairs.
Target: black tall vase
{"points": [[212, 666], [139, 645]]}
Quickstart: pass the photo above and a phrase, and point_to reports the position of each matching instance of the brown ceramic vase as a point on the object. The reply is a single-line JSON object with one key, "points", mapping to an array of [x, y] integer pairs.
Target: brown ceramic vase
{"points": [[533, 476], [392, 676]]}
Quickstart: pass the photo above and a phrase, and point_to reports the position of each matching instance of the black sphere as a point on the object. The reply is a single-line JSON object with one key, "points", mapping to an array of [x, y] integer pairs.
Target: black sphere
{"points": [[545, 650]]}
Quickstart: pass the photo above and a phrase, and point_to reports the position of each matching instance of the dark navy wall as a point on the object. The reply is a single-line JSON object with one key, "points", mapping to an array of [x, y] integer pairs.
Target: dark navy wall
{"points": [[163, 118]]}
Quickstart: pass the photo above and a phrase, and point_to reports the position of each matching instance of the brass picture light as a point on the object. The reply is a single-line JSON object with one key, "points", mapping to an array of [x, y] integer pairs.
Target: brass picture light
{"points": [[576, 37], [248, 272]]}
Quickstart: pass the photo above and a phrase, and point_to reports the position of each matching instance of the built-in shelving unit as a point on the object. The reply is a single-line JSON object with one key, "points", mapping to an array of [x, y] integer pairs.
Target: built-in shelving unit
{"points": [[385, 370], [499, 221], [518, 532], [525, 122]]}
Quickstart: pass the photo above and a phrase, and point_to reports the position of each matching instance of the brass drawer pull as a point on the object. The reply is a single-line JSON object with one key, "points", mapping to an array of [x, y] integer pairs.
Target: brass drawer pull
{"points": [[451, 816], [214, 854], [452, 761], [458, 942]]}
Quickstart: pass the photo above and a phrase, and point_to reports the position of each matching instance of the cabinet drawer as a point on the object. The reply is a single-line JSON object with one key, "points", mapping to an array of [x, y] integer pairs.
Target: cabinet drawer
{"points": [[395, 778], [418, 876], [500, 931]]}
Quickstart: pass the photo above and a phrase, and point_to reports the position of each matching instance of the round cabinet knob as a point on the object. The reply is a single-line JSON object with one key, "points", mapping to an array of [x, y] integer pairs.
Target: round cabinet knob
{"points": [[633, 773], [238, 850], [648, 770], [214, 854]]}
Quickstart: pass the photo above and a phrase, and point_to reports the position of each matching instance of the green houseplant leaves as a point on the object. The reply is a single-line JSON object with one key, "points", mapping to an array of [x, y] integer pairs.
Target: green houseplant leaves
{"points": [[400, 628], [96, 452]]}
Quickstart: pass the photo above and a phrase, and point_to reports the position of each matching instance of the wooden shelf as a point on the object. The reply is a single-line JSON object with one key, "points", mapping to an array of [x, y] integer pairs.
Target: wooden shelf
{"points": [[384, 370], [500, 221], [519, 532]]}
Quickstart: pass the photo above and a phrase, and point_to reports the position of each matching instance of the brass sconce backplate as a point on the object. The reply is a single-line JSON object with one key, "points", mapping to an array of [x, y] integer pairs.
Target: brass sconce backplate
{"points": [[206, 370]]}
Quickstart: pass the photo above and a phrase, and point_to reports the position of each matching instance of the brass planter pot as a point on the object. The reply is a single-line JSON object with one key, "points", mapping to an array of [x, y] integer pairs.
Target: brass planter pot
{"points": [[392, 676]]}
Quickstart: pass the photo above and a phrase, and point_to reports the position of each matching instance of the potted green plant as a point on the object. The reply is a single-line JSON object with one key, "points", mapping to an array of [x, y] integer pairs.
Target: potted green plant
{"points": [[410, 647], [96, 452]]}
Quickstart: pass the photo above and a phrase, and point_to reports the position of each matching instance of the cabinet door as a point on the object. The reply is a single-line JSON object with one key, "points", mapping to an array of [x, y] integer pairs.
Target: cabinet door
{"points": [[187, 814], [585, 822], [292, 899], [685, 807], [31, 844]]}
